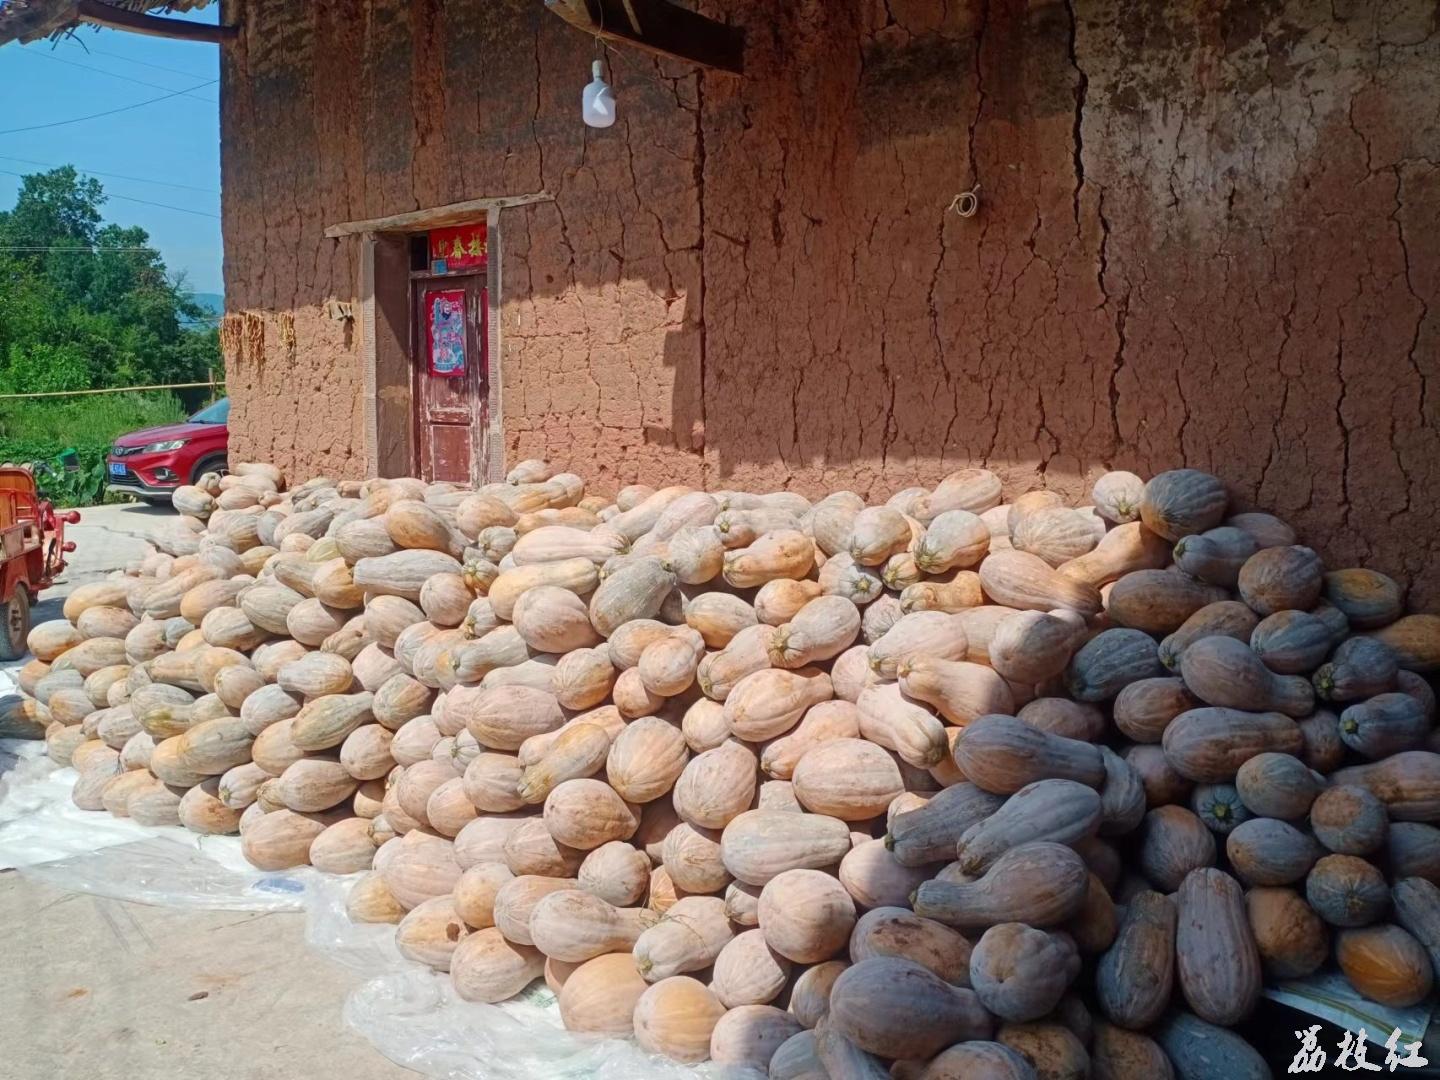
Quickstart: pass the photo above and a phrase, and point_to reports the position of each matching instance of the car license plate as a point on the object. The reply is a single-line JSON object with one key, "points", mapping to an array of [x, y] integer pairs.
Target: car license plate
{"points": [[117, 468]]}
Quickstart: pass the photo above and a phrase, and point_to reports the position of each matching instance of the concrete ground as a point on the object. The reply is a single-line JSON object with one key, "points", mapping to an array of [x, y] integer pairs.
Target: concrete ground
{"points": [[100, 989], [106, 539]]}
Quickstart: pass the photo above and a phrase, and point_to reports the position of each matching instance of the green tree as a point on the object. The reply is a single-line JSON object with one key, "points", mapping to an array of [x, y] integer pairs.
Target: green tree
{"points": [[59, 207], [86, 304]]}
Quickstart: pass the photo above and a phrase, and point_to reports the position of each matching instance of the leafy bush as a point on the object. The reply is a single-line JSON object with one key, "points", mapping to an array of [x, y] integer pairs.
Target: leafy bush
{"points": [[84, 305], [41, 429]]}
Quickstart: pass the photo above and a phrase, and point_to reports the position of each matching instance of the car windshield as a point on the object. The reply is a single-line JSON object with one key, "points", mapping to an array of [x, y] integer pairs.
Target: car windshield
{"points": [[218, 413]]}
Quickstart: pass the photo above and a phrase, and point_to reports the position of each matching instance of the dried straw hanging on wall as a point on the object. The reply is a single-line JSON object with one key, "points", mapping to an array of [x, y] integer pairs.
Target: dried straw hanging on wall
{"points": [[286, 319], [232, 340], [254, 336]]}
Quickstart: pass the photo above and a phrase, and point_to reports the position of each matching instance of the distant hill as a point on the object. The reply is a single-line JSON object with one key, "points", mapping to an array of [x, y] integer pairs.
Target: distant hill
{"points": [[213, 303]]}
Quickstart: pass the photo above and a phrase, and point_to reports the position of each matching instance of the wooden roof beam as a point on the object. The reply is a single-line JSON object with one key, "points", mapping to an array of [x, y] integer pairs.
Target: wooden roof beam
{"points": [[436, 216], [659, 27], [102, 14]]}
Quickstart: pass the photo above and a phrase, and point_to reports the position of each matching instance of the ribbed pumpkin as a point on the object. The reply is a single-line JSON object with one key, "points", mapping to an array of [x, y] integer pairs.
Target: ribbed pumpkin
{"points": [[50, 640], [895, 1008], [717, 785], [1021, 580], [975, 490], [1210, 744], [646, 759], [584, 814], [1415, 642], [106, 622], [402, 573], [769, 702], [676, 1017], [1056, 534], [1031, 647], [1281, 578], [667, 667], [757, 845], [214, 746], [316, 675], [273, 749], [1386, 964], [505, 716], [1157, 601], [847, 778], [327, 721], [805, 915], [279, 840], [96, 595], [1120, 551], [1182, 502], [1217, 962], [1292, 939], [600, 996]]}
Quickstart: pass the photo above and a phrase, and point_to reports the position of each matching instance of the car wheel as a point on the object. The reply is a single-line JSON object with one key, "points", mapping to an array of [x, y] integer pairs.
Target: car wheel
{"points": [[154, 500], [14, 624], [218, 464]]}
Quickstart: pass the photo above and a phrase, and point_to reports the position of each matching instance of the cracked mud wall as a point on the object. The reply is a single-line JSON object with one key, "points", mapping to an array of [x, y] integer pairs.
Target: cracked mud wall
{"points": [[358, 109], [1208, 237]]}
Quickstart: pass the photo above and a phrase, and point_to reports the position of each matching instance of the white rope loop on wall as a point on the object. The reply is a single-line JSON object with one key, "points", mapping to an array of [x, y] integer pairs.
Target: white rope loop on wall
{"points": [[966, 203]]}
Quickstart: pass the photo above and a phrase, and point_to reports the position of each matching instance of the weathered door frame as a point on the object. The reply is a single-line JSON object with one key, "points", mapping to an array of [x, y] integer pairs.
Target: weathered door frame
{"points": [[384, 293]]}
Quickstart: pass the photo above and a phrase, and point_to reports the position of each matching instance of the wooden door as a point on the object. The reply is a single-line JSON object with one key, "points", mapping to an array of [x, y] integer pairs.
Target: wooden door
{"points": [[451, 387]]}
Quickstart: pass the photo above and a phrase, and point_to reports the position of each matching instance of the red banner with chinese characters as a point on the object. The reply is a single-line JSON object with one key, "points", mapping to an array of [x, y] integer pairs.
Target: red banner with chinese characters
{"points": [[445, 332], [460, 247]]}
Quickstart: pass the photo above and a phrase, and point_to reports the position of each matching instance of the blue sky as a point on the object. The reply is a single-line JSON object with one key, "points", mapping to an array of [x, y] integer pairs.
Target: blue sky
{"points": [[176, 140]]}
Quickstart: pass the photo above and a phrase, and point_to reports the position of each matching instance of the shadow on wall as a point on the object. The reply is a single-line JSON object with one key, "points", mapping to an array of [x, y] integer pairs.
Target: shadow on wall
{"points": [[782, 242]]}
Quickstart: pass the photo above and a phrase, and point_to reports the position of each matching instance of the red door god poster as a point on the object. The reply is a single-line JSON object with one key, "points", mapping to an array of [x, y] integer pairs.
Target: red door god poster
{"points": [[445, 332]]}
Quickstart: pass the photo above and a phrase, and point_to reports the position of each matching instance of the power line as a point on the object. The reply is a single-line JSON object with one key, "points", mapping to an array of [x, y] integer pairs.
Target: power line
{"points": [[131, 198], [113, 176], [111, 74], [130, 59], [107, 112]]}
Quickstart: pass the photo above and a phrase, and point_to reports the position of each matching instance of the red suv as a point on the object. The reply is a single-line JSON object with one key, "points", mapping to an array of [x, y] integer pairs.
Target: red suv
{"points": [[152, 463]]}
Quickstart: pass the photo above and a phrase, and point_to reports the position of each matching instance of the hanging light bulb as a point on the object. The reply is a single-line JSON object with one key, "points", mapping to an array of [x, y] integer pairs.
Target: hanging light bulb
{"points": [[597, 103]]}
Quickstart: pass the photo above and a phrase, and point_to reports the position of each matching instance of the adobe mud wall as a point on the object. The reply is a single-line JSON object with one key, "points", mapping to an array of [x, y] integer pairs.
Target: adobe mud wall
{"points": [[1208, 237]]}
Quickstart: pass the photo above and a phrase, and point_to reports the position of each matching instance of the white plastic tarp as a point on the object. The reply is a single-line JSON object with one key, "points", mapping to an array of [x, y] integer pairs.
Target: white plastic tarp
{"points": [[408, 1012]]}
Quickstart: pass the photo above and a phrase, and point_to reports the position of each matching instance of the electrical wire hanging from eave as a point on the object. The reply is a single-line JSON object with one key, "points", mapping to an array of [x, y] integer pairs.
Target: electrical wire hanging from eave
{"points": [[108, 112], [131, 198], [72, 39], [110, 175], [114, 75]]}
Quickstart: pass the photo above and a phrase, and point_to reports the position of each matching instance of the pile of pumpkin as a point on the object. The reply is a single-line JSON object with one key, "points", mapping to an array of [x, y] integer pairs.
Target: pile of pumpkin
{"points": [[987, 790]]}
